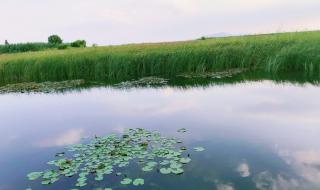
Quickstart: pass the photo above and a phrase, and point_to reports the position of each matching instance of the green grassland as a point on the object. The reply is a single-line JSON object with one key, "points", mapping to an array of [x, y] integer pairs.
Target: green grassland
{"points": [[272, 53]]}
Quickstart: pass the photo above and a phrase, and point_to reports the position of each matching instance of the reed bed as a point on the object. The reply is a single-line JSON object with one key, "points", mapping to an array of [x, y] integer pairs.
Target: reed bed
{"points": [[272, 53]]}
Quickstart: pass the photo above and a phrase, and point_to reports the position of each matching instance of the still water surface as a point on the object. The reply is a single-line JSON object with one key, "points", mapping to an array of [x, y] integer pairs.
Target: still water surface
{"points": [[257, 135]]}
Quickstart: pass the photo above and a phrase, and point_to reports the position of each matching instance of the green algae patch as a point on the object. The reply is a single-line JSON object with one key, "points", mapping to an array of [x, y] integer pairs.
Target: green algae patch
{"points": [[106, 155]]}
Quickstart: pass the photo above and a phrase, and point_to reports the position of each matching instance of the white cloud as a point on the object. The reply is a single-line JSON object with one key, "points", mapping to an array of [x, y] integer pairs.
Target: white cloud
{"points": [[306, 163], [265, 181], [114, 22], [222, 186], [69, 137], [243, 169]]}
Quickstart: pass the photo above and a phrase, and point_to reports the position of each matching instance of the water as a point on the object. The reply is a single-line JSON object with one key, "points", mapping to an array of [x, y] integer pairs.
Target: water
{"points": [[257, 135]]}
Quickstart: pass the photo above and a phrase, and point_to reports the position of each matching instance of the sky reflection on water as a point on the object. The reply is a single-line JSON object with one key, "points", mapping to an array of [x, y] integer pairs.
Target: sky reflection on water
{"points": [[258, 135]]}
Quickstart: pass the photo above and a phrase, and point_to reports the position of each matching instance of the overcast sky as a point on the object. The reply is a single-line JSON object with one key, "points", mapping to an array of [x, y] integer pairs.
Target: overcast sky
{"points": [[129, 21]]}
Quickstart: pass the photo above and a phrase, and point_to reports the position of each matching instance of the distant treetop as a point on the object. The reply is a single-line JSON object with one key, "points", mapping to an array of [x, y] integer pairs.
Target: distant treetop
{"points": [[54, 40]]}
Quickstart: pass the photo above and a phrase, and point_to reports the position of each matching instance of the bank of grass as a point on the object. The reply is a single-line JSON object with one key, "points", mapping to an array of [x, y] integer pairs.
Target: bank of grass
{"points": [[273, 53]]}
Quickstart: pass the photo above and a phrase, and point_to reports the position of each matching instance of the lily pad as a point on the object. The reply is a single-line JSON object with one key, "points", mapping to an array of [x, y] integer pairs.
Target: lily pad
{"points": [[177, 171], [113, 154], [147, 168], [152, 164], [34, 175], [185, 160], [138, 181], [126, 181], [165, 170]]}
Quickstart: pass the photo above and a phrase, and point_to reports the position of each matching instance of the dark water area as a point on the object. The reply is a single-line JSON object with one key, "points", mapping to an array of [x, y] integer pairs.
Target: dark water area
{"points": [[258, 134]]}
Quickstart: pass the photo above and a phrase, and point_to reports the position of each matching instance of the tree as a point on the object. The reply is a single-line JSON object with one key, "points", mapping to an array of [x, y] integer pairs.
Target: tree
{"points": [[54, 40], [6, 42], [79, 43]]}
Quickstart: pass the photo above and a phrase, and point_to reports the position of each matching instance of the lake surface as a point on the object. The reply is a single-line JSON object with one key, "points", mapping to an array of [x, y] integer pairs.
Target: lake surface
{"points": [[257, 135]]}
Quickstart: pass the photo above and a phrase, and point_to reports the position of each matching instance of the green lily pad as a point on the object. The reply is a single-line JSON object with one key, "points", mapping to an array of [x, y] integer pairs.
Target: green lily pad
{"points": [[165, 162], [165, 170], [119, 174], [175, 165], [34, 175], [46, 182], [147, 168], [185, 160], [177, 171], [138, 181], [106, 154], [81, 184], [126, 181]]}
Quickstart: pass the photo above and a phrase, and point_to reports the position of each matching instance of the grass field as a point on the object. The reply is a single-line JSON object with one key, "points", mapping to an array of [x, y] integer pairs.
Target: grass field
{"points": [[273, 53]]}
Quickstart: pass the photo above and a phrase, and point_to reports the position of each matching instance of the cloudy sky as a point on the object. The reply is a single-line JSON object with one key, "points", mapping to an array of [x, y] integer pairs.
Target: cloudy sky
{"points": [[130, 21]]}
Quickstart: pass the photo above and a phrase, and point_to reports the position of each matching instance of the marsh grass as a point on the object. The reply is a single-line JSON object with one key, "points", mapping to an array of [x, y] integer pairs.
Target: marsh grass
{"points": [[273, 53]]}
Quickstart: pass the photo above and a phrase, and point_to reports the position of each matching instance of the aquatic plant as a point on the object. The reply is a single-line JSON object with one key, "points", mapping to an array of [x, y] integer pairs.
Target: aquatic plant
{"points": [[274, 53], [44, 87], [146, 81], [214, 75], [106, 155]]}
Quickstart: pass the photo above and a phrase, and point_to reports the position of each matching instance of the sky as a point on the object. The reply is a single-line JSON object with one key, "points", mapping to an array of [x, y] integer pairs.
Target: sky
{"points": [[109, 22]]}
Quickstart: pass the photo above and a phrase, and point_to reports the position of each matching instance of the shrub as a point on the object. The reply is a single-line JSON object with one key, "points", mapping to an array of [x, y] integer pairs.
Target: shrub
{"points": [[79, 43], [54, 40], [62, 46]]}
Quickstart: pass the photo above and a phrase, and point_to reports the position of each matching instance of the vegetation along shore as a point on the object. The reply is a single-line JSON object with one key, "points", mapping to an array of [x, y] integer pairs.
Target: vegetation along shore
{"points": [[272, 53]]}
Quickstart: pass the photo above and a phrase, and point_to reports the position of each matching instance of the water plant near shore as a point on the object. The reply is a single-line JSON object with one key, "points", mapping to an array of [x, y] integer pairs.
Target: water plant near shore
{"points": [[213, 75], [145, 82], [44, 87], [106, 155]]}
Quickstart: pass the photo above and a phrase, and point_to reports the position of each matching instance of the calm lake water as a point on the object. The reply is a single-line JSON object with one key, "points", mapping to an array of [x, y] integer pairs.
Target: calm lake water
{"points": [[257, 135]]}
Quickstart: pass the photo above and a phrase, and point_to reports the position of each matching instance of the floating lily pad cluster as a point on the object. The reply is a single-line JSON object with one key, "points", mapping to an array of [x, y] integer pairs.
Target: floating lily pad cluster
{"points": [[213, 75], [44, 87], [106, 155], [146, 81]]}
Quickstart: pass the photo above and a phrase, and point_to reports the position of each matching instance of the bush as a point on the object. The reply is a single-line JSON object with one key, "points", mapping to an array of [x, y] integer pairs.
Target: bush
{"points": [[62, 46], [54, 40], [79, 43]]}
